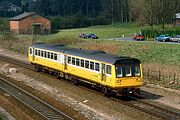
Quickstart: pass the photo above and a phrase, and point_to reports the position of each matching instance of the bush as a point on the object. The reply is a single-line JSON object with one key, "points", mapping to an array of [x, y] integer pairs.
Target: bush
{"points": [[77, 21], [100, 20], [156, 32]]}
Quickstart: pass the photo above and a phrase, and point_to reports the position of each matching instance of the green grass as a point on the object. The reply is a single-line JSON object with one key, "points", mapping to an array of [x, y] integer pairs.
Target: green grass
{"points": [[103, 31], [147, 52]]}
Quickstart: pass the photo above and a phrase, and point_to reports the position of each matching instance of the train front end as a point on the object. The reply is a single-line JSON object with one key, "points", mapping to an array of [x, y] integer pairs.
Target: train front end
{"points": [[128, 76]]}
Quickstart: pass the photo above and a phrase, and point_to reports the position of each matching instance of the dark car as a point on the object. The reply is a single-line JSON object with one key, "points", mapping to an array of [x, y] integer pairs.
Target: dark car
{"points": [[139, 37], [176, 39], [82, 35], [92, 36], [163, 38]]}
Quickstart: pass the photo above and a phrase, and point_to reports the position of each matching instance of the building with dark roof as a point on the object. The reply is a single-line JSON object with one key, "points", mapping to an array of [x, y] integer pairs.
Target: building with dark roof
{"points": [[30, 23]]}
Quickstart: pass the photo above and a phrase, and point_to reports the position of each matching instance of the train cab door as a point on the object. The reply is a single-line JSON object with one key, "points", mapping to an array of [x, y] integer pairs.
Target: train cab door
{"points": [[103, 73]]}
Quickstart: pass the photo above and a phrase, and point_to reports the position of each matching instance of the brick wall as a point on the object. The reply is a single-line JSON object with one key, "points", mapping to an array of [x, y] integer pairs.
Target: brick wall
{"points": [[25, 25]]}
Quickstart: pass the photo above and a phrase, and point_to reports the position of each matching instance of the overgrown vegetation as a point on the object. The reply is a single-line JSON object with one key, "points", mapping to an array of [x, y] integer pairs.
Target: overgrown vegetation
{"points": [[151, 33], [3, 117]]}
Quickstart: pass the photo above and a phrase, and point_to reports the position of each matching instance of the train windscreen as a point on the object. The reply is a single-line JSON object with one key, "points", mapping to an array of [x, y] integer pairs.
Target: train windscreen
{"points": [[128, 70]]}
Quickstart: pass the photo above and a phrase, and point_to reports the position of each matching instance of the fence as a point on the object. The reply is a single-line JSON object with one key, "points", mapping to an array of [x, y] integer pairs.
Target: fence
{"points": [[169, 80]]}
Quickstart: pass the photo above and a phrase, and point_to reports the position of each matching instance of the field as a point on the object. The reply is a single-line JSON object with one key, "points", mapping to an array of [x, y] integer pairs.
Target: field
{"points": [[161, 61], [103, 31]]}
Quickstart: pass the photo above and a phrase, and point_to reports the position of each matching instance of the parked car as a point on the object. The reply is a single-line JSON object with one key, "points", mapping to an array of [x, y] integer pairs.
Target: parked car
{"points": [[138, 37], [92, 36], [176, 39], [82, 35], [163, 38]]}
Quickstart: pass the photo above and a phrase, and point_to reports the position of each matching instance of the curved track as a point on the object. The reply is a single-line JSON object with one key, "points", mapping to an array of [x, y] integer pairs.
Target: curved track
{"points": [[44, 109], [154, 110]]}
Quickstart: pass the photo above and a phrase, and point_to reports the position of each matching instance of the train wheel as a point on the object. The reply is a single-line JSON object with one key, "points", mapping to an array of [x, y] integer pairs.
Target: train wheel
{"points": [[37, 68], [75, 81], [107, 92], [57, 74]]}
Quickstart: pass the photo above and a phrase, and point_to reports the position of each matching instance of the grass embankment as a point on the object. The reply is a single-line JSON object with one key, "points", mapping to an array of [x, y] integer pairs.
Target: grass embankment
{"points": [[103, 32]]}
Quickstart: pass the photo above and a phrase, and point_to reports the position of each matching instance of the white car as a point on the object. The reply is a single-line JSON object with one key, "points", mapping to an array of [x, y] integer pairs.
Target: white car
{"points": [[176, 39]]}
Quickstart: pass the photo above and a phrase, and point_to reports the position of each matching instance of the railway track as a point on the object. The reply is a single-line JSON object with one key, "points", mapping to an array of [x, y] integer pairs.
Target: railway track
{"points": [[160, 112], [47, 111], [144, 106]]}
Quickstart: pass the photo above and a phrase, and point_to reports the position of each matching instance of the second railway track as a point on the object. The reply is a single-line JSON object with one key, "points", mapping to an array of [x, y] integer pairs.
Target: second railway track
{"points": [[47, 111], [154, 110]]}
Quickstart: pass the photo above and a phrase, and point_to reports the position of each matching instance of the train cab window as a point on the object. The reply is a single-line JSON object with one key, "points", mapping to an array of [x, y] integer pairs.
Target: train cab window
{"points": [[55, 56], [38, 52], [97, 66], [82, 63], [42, 52], [69, 60], [87, 64], [30, 51], [119, 71], [52, 55], [48, 54], [35, 51], [73, 60], [45, 54], [77, 62], [108, 69], [127, 70], [92, 65], [136, 70]]}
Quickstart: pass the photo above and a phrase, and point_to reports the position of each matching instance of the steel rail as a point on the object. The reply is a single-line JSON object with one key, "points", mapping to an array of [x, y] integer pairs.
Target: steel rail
{"points": [[46, 110]]}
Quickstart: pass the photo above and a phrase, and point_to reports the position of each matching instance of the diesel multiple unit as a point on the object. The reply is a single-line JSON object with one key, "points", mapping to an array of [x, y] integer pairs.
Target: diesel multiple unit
{"points": [[110, 73]]}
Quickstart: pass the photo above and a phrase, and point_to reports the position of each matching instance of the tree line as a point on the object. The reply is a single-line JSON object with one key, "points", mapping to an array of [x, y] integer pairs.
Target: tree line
{"points": [[79, 13]]}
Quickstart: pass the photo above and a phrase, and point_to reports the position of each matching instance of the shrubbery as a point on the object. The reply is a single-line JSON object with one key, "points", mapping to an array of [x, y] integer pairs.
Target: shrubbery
{"points": [[155, 32], [77, 21]]}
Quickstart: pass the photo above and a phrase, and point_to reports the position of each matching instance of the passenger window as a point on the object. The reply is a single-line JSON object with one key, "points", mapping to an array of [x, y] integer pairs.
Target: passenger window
{"points": [[77, 62], [108, 69], [97, 66], [87, 64], [42, 53], [52, 55], [45, 54], [35, 51], [48, 54], [55, 56], [92, 65], [69, 60], [38, 52], [82, 63], [73, 60], [30, 50]]}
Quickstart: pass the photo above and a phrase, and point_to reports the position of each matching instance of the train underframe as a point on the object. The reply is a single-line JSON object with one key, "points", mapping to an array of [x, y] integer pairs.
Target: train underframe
{"points": [[130, 91]]}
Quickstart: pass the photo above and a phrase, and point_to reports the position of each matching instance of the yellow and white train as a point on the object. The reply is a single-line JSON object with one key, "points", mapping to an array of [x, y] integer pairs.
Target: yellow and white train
{"points": [[110, 73]]}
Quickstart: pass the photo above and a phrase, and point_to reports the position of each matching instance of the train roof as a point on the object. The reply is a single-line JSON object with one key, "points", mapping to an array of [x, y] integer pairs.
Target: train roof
{"points": [[89, 54]]}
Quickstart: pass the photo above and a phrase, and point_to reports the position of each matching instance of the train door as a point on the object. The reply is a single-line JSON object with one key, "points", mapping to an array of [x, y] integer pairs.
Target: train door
{"points": [[103, 72], [63, 58], [33, 54]]}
